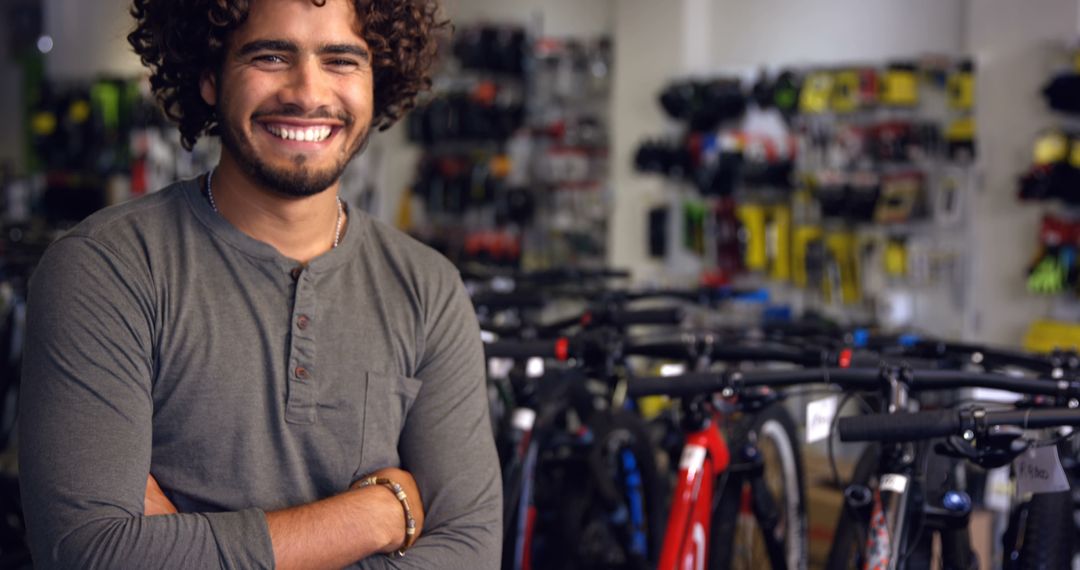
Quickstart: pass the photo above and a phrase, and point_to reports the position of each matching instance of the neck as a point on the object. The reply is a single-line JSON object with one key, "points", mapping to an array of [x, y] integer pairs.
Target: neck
{"points": [[299, 228]]}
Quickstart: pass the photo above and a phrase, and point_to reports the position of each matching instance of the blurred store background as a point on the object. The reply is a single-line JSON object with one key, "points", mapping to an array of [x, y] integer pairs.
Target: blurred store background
{"points": [[905, 164]]}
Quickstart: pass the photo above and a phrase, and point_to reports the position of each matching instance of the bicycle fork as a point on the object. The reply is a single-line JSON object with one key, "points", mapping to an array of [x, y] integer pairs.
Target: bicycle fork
{"points": [[762, 503], [705, 455]]}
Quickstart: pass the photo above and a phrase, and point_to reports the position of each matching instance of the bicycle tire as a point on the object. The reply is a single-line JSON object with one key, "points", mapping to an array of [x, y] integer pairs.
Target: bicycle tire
{"points": [[578, 493], [847, 539], [651, 492], [1048, 533], [727, 545]]}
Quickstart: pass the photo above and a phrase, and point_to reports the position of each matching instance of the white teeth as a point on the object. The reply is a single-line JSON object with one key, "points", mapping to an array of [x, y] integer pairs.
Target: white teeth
{"points": [[313, 134]]}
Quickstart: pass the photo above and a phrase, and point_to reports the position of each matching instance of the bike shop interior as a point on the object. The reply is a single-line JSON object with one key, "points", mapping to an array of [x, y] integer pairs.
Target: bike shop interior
{"points": [[636, 190]]}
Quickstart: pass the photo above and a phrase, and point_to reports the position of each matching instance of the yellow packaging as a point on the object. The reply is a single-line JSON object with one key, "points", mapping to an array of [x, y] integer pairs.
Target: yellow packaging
{"points": [[816, 93], [845, 91], [900, 88], [1045, 336], [1050, 148], [802, 237], [895, 259], [752, 217], [841, 246], [961, 90], [780, 240]]}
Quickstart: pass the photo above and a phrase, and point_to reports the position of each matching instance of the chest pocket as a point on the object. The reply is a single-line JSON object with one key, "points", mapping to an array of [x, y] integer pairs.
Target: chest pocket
{"points": [[389, 398]]}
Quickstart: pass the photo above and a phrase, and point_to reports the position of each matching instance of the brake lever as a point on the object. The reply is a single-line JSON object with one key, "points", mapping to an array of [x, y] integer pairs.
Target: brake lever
{"points": [[998, 447]]}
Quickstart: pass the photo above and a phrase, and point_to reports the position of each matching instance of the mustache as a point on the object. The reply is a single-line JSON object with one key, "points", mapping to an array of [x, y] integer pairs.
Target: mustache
{"points": [[294, 112]]}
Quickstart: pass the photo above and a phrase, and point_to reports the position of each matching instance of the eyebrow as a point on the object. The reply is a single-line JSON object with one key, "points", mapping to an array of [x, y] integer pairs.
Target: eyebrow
{"points": [[290, 47], [267, 45], [345, 49]]}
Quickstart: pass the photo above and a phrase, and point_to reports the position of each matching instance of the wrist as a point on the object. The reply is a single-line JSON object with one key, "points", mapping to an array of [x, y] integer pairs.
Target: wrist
{"points": [[409, 529], [386, 515]]}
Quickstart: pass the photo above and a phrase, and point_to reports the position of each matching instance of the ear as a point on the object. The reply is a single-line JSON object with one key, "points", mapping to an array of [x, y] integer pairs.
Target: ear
{"points": [[208, 88]]}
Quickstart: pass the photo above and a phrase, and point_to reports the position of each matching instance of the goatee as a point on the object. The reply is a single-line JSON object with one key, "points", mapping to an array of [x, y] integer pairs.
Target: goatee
{"points": [[300, 181]]}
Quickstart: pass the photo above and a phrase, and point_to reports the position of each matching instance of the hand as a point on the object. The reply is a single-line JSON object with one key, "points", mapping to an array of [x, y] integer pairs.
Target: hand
{"points": [[412, 494], [156, 503]]}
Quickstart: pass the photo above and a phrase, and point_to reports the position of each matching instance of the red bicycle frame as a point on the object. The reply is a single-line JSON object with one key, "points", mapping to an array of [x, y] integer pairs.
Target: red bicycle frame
{"points": [[686, 540]]}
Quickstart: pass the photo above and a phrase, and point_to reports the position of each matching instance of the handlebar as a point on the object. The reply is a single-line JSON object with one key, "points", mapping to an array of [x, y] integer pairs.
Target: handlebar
{"points": [[942, 423], [558, 349], [848, 378], [684, 347], [663, 316], [523, 299], [1042, 364], [615, 317]]}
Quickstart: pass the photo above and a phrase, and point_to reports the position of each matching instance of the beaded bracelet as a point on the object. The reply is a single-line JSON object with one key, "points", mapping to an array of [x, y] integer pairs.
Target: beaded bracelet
{"points": [[410, 522]]}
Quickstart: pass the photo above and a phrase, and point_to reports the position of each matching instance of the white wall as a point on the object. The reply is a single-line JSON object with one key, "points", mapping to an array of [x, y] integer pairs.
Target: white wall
{"points": [[1002, 26], [557, 17], [89, 39], [1017, 45], [751, 32], [649, 50]]}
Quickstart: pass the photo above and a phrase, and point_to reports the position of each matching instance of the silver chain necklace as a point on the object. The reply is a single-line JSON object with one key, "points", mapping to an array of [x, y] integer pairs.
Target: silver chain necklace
{"points": [[337, 225]]}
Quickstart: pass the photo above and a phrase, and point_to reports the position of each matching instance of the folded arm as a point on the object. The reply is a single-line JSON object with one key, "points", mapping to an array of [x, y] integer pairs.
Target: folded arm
{"points": [[86, 416]]}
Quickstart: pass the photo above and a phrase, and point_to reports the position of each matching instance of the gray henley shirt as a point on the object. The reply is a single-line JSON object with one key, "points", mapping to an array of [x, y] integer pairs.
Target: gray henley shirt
{"points": [[162, 339]]}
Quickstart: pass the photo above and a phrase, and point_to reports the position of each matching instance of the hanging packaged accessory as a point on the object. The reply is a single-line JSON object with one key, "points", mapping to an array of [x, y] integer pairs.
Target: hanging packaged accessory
{"points": [[846, 91], [817, 93], [960, 87], [901, 198], [900, 86]]}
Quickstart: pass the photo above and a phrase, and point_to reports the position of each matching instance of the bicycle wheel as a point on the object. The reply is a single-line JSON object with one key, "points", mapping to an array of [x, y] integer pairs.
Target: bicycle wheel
{"points": [[1046, 536], [752, 504], [600, 501], [851, 528]]}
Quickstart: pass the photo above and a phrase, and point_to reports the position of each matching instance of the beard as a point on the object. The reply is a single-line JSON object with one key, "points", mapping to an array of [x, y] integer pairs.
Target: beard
{"points": [[298, 181]]}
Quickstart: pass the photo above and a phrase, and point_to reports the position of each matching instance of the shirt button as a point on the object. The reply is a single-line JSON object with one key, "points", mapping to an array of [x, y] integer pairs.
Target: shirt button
{"points": [[302, 322], [296, 273], [301, 373]]}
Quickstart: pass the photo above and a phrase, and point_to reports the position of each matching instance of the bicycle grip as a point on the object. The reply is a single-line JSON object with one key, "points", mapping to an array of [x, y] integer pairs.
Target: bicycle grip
{"points": [[681, 385], [550, 348], [900, 427], [665, 316]]}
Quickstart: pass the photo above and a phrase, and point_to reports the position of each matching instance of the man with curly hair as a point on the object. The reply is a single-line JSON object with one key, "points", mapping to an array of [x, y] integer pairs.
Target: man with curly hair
{"points": [[215, 372]]}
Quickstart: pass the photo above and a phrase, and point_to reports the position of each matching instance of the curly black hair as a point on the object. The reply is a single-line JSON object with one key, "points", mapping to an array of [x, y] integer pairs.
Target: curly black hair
{"points": [[179, 40]]}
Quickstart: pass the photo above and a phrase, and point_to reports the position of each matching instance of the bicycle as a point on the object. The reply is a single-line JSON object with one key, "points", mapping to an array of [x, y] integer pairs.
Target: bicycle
{"points": [[992, 438], [611, 456], [690, 521]]}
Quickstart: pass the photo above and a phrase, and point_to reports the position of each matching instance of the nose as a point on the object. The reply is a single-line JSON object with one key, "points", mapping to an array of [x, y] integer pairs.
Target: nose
{"points": [[307, 88]]}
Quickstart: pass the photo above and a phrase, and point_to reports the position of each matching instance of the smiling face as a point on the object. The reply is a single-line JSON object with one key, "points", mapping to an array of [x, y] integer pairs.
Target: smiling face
{"points": [[294, 94]]}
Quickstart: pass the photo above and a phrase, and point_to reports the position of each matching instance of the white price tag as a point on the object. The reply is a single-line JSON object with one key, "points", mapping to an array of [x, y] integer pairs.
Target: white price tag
{"points": [[1039, 470], [893, 482], [819, 418], [999, 489]]}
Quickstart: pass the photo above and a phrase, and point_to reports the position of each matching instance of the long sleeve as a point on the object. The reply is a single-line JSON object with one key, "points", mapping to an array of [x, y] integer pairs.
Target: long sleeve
{"points": [[448, 446], [85, 427]]}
